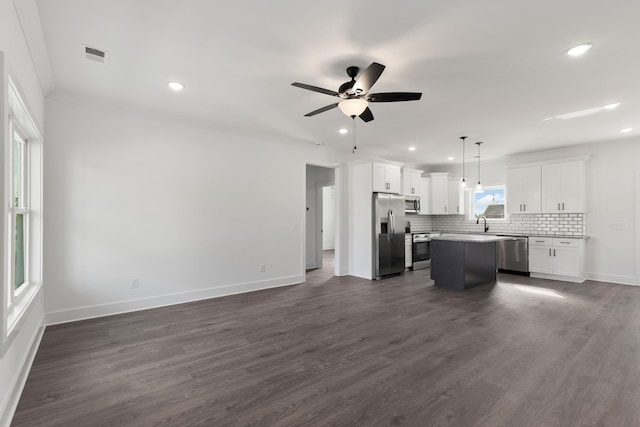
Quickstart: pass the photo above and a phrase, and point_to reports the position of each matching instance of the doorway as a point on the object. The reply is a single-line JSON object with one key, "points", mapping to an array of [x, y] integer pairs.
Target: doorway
{"points": [[321, 230]]}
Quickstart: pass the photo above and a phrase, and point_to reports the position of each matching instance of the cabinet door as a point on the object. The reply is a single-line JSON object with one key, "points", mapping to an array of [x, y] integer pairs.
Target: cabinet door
{"points": [[571, 182], [515, 188], [439, 195], [406, 184], [380, 179], [394, 179], [425, 196], [531, 190], [411, 184], [540, 259], [566, 261], [552, 188], [455, 200]]}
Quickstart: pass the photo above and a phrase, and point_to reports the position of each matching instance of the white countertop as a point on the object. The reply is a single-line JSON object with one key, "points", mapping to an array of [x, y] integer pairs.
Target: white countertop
{"points": [[470, 237]]}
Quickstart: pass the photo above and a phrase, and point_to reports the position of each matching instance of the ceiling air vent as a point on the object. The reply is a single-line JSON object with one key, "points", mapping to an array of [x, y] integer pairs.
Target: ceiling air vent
{"points": [[94, 54]]}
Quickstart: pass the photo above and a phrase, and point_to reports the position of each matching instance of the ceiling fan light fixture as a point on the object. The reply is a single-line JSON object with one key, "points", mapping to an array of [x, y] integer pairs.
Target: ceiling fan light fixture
{"points": [[353, 107]]}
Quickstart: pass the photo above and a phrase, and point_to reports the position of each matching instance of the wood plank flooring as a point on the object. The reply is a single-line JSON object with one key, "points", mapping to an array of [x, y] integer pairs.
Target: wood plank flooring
{"points": [[351, 352]]}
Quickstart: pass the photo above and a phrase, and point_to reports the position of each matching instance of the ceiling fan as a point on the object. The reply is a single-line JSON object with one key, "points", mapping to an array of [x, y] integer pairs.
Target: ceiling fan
{"points": [[355, 93]]}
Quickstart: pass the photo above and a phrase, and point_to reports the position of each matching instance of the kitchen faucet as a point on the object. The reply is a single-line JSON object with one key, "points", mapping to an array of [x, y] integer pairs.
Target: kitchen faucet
{"points": [[486, 227]]}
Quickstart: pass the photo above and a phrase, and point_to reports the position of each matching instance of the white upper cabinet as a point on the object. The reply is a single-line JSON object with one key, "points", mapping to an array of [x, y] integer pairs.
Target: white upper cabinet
{"points": [[425, 196], [386, 178], [411, 182], [563, 187], [524, 190], [440, 193], [456, 198]]}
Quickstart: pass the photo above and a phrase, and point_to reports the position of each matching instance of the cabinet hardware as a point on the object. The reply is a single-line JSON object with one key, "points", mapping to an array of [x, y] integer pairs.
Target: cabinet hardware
{"points": [[445, 209], [558, 206], [562, 205], [525, 207], [554, 252], [539, 241], [549, 251], [520, 207], [566, 243]]}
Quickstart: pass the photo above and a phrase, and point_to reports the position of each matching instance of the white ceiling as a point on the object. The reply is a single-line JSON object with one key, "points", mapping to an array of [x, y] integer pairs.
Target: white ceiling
{"points": [[491, 69]]}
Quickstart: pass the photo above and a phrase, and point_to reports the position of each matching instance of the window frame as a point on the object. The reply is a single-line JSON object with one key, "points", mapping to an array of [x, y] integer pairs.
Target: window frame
{"points": [[471, 199], [16, 302]]}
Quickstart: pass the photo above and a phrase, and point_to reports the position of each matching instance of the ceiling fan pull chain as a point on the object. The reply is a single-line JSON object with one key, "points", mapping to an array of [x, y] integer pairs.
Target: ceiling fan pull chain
{"points": [[354, 134]]}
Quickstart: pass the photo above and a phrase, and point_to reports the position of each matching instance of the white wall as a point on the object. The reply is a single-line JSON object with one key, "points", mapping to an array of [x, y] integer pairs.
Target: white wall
{"points": [[15, 61], [613, 199], [192, 213]]}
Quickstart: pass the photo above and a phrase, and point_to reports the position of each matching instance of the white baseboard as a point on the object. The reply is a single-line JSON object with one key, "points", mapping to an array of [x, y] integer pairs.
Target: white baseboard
{"points": [[614, 278], [101, 310], [8, 408], [556, 277]]}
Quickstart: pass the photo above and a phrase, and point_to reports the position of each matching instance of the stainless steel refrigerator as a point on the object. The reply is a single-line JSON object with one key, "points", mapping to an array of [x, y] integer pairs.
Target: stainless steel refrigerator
{"points": [[388, 235]]}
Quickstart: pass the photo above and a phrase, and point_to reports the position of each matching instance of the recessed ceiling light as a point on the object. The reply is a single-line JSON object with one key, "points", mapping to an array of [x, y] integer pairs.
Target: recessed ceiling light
{"points": [[611, 106], [626, 130], [579, 50], [450, 158], [412, 148], [176, 86], [343, 130]]}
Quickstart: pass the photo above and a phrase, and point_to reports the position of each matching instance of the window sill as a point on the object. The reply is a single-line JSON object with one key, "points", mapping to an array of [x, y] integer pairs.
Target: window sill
{"points": [[17, 311]]}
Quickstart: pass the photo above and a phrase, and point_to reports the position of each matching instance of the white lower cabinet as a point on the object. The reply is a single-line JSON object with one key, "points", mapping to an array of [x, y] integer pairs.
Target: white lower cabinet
{"points": [[557, 258]]}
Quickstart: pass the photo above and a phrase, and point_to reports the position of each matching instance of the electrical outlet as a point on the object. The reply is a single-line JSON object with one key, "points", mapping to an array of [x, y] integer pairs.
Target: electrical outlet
{"points": [[263, 268], [135, 283]]}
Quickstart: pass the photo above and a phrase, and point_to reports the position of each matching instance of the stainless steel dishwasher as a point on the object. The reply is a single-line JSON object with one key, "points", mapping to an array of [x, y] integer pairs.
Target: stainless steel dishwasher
{"points": [[513, 254]]}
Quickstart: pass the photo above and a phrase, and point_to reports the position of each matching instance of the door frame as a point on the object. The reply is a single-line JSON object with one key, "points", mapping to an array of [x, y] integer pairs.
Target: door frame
{"points": [[341, 263]]}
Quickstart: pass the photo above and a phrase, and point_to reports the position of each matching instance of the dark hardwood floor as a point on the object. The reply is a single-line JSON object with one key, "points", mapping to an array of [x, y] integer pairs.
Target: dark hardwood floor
{"points": [[351, 352]]}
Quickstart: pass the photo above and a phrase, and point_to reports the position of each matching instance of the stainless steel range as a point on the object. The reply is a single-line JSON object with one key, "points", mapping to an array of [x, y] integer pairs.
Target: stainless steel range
{"points": [[421, 251]]}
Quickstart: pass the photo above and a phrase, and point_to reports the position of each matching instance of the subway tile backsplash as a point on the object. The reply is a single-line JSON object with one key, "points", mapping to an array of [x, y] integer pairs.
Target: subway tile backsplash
{"points": [[565, 225]]}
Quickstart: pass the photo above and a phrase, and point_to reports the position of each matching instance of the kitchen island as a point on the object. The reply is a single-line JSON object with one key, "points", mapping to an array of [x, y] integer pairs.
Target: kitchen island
{"points": [[463, 261]]}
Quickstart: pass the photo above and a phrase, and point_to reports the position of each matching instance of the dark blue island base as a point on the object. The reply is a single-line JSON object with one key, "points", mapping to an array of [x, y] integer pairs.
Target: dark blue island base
{"points": [[462, 265]]}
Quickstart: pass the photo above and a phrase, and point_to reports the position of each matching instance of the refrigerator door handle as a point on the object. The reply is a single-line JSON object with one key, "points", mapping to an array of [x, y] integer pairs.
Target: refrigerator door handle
{"points": [[392, 221]]}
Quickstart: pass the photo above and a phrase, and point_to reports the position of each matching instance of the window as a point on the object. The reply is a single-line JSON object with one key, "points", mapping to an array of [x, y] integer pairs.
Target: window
{"points": [[490, 202], [22, 277], [19, 216]]}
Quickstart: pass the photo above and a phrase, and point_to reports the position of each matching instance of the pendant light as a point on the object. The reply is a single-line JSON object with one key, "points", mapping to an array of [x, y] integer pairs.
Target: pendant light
{"points": [[463, 181], [478, 185]]}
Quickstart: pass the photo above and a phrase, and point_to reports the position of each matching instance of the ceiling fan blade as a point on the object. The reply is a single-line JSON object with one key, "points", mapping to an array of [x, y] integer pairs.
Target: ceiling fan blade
{"points": [[315, 89], [321, 110], [366, 115], [368, 78], [393, 96]]}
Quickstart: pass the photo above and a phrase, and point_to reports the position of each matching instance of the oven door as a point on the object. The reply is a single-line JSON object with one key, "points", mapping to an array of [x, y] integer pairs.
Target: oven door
{"points": [[421, 254]]}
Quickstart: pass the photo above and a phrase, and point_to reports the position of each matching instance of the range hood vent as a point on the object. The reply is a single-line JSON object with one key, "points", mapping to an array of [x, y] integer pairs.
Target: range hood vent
{"points": [[95, 54]]}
